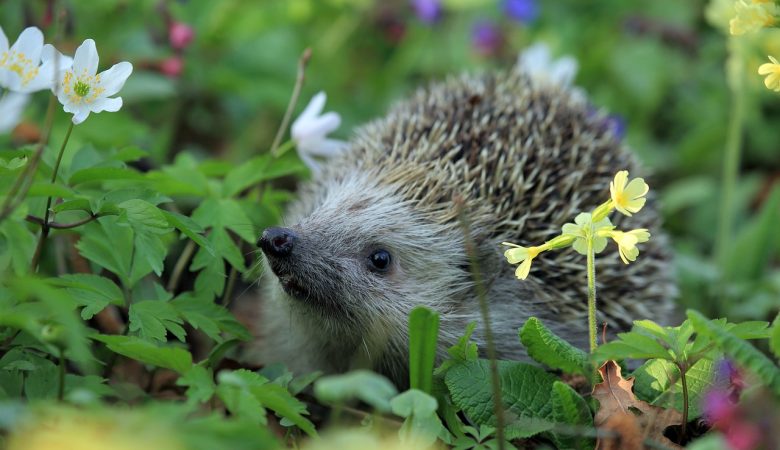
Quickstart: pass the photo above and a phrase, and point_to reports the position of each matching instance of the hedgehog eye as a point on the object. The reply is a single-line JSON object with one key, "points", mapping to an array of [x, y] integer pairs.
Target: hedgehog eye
{"points": [[380, 260]]}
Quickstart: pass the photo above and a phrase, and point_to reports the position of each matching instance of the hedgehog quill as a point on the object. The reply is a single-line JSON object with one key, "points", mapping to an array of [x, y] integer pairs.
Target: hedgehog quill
{"points": [[376, 233]]}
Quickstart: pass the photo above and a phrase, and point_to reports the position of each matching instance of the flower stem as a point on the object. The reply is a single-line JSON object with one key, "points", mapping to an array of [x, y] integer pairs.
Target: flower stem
{"points": [[45, 227], [684, 383], [293, 100], [731, 157], [591, 294], [61, 387]]}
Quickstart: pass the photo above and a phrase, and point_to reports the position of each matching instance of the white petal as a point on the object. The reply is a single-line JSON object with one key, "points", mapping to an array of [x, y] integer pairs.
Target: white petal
{"points": [[310, 162], [30, 42], [80, 115], [53, 56], [114, 78], [106, 104], [86, 58], [9, 79], [535, 58], [328, 148], [315, 105], [320, 126], [3, 41], [11, 107]]}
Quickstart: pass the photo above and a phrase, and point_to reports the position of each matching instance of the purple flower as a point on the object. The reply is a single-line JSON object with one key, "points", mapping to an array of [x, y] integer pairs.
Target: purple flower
{"points": [[718, 408], [617, 124], [524, 11], [428, 11], [486, 37]]}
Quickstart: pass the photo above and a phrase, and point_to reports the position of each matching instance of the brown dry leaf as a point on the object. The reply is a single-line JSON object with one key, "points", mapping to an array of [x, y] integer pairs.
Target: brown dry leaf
{"points": [[628, 435], [616, 397]]}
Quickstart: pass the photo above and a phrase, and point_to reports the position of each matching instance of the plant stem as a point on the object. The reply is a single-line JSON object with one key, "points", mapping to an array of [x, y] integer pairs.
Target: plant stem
{"points": [[731, 158], [305, 56], [684, 383], [45, 227], [479, 287], [181, 263], [591, 294], [12, 200], [62, 226]]}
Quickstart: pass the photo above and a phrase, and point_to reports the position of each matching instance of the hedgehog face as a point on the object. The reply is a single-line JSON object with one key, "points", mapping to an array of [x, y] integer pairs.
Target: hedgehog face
{"points": [[359, 255]]}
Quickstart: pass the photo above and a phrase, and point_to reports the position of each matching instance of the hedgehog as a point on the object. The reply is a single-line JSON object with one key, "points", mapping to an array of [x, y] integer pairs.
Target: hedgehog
{"points": [[377, 231]]}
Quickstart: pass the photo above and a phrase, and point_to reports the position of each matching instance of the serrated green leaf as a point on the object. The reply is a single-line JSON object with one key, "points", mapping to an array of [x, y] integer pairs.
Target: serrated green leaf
{"points": [[151, 319], [741, 351], [108, 245], [366, 386], [525, 394], [173, 358], [149, 256], [144, 217], [205, 315], [547, 348], [464, 350], [17, 245], [279, 400], [571, 409], [658, 382], [423, 336], [79, 204], [92, 291], [225, 213], [199, 382], [211, 278], [260, 168], [774, 339], [93, 174], [189, 228]]}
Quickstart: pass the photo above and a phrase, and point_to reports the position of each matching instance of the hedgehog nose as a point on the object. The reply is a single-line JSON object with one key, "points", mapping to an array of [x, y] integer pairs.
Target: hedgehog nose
{"points": [[276, 241]]}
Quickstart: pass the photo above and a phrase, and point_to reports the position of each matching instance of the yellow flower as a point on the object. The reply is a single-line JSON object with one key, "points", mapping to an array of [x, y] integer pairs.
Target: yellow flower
{"points": [[772, 72], [628, 197], [752, 16], [627, 241], [524, 256]]}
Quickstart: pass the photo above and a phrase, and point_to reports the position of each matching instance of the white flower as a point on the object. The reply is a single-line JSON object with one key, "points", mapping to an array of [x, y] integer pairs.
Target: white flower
{"points": [[537, 62], [11, 107], [82, 90], [310, 130], [20, 66]]}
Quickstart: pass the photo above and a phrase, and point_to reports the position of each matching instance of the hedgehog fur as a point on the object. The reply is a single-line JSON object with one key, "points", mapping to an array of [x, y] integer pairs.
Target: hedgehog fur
{"points": [[525, 159]]}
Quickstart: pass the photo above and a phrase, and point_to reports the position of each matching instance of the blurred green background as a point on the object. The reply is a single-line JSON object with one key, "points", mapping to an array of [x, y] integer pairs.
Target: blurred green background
{"points": [[658, 66]]}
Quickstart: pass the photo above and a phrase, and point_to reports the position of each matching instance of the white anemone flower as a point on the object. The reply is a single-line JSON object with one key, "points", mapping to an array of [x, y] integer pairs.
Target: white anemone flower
{"points": [[310, 131], [537, 62], [20, 65], [82, 90], [11, 107]]}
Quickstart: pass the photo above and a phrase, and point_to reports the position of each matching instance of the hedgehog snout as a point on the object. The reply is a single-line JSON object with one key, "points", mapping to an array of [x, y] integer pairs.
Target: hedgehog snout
{"points": [[277, 242]]}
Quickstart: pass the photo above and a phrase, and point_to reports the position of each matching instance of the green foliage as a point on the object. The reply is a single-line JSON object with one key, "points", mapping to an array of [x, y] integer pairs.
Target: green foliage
{"points": [[368, 387], [421, 425], [423, 336], [547, 348], [570, 408], [747, 356]]}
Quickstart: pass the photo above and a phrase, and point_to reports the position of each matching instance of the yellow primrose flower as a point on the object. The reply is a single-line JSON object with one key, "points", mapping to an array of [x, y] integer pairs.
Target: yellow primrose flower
{"points": [[579, 230], [524, 256], [772, 72], [628, 197], [627, 241], [752, 16]]}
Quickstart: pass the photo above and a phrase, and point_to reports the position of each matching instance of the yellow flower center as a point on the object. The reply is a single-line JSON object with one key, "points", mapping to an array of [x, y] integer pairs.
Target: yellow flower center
{"points": [[81, 88], [20, 64]]}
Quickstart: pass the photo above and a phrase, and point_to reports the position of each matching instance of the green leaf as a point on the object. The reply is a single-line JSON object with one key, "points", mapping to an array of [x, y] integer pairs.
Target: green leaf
{"points": [[774, 340], [149, 256], [525, 394], [212, 319], [547, 348], [47, 189], [152, 318], [189, 228], [94, 174], [79, 204], [144, 217], [658, 382], [422, 426], [632, 345], [130, 154], [571, 409], [423, 334], [363, 385], [260, 168], [465, 350], [108, 245], [742, 352], [279, 400], [233, 389], [225, 213], [173, 358], [200, 384], [17, 245], [92, 291]]}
